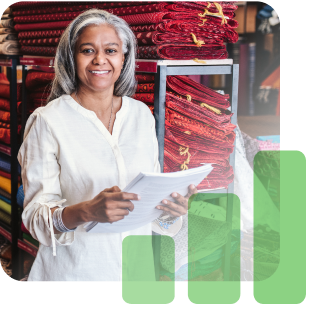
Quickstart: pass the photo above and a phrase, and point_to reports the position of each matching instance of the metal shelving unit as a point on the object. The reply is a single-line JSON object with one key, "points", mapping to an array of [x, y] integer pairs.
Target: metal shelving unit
{"points": [[12, 232]]}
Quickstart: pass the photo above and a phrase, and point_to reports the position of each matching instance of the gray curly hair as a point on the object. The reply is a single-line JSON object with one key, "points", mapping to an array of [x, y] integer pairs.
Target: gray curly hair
{"points": [[65, 81]]}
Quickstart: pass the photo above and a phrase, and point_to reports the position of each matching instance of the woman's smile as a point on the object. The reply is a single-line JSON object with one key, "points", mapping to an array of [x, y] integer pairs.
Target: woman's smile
{"points": [[100, 73]]}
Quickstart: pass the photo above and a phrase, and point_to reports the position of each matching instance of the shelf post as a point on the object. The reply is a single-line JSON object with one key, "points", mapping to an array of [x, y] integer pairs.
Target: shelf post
{"points": [[16, 266], [160, 109]]}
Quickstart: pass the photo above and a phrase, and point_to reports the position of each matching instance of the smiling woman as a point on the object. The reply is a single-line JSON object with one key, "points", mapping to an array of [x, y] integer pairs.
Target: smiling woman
{"points": [[83, 148]]}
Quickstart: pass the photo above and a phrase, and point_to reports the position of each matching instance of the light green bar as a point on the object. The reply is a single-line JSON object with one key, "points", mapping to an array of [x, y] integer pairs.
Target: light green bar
{"points": [[287, 283], [139, 285], [209, 232]]}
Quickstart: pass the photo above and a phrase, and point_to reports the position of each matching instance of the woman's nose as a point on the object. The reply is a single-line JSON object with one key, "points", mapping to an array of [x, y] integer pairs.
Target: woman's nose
{"points": [[100, 58]]}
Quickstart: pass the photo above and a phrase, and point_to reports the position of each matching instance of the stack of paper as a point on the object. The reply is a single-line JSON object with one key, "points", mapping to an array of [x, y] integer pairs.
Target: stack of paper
{"points": [[152, 188]]}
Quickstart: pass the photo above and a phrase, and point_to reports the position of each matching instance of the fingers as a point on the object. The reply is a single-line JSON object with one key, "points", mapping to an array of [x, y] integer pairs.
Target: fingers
{"points": [[172, 211], [191, 190]]}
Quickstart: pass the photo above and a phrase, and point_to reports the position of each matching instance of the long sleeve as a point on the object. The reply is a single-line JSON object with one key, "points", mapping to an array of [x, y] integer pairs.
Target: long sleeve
{"points": [[40, 172]]}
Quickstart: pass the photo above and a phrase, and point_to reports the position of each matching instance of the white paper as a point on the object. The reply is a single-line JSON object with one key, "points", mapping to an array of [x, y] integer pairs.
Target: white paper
{"points": [[152, 188]]}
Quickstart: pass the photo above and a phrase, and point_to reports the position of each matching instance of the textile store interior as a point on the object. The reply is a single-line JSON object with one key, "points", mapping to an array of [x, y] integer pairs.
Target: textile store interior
{"points": [[235, 33]]}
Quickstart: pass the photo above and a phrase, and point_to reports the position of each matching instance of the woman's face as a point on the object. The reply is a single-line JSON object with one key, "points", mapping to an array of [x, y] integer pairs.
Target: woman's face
{"points": [[99, 57]]}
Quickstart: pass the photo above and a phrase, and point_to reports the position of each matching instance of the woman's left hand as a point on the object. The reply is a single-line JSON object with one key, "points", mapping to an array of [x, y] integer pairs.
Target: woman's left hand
{"points": [[180, 206]]}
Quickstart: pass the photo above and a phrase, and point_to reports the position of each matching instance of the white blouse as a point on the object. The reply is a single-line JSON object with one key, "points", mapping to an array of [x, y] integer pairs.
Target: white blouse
{"points": [[68, 156]]}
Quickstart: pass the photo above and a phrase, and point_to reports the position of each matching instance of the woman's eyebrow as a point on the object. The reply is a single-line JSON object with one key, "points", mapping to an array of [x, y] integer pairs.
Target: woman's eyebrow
{"points": [[107, 44]]}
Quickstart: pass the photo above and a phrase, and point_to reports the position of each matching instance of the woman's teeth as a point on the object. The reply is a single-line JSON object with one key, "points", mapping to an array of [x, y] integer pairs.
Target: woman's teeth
{"points": [[100, 72]]}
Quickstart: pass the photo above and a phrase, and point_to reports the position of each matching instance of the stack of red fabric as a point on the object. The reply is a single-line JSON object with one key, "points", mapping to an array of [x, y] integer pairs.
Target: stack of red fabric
{"points": [[198, 128], [164, 30], [38, 84], [5, 109]]}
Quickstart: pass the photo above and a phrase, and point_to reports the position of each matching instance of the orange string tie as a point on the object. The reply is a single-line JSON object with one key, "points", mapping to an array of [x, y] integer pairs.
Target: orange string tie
{"points": [[216, 14], [199, 61], [199, 43], [215, 110], [184, 151], [203, 22], [189, 98]]}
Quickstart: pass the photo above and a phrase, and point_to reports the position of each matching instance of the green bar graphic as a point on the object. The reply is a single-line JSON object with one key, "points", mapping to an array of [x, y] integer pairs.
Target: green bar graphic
{"points": [[279, 205]]}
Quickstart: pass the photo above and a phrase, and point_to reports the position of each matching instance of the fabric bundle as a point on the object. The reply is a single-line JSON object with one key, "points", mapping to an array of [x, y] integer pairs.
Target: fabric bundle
{"points": [[38, 87], [5, 110], [9, 44], [164, 30], [198, 127]]}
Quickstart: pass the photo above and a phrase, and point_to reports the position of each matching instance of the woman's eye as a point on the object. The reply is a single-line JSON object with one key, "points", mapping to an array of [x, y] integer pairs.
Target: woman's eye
{"points": [[87, 51], [111, 51]]}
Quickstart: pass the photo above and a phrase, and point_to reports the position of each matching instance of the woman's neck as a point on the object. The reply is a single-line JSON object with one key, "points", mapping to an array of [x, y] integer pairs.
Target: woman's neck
{"points": [[98, 101]]}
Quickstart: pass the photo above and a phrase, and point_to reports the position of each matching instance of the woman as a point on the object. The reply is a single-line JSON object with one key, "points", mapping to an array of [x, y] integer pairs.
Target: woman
{"points": [[83, 148]]}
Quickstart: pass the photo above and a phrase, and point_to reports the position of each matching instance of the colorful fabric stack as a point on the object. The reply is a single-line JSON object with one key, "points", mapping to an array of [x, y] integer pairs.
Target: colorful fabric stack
{"points": [[9, 44], [38, 87], [5, 189], [164, 30], [198, 127], [5, 109]]}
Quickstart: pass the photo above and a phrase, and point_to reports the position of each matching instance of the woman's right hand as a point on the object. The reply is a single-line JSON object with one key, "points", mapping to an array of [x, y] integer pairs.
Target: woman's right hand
{"points": [[111, 205]]}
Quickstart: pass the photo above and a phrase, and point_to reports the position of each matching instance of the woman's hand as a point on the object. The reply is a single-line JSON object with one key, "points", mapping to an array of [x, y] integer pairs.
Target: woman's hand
{"points": [[111, 205], [180, 206]]}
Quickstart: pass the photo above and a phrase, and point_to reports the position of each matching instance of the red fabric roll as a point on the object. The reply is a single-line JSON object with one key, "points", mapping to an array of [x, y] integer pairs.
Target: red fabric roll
{"points": [[45, 7], [184, 85], [144, 19], [40, 34], [144, 78], [147, 98], [155, 37], [68, 16], [202, 114], [39, 51], [4, 104], [39, 95], [40, 42], [5, 91], [4, 125], [38, 79], [182, 52], [4, 174], [142, 88], [5, 135], [42, 26], [4, 116], [144, 28], [151, 107]]}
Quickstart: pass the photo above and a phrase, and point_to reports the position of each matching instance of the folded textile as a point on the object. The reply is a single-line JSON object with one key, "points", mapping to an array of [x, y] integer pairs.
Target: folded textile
{"points": [[5, 163], [65, 16], [182, 52], [4, 136], [144, 78], [5, 183], [10, 47], [5, 206], [7, 31], [5, 194], [4, 125], [7, 37], [29, 8], [4, 217], [4, 104], [24, 229], [38, 79], [197, 112], [144, 97], [151, 107], [6, 23], [30, 239], [142, 88], [198, 129], [193, 90], [4, 116], [40, 42], [155, 37], [5, 149], [5, 91], [206, 145], [40, 34], [5, 174], [42, 26], [40, 51], [20, 199], [39, 95], [6, 200]]}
